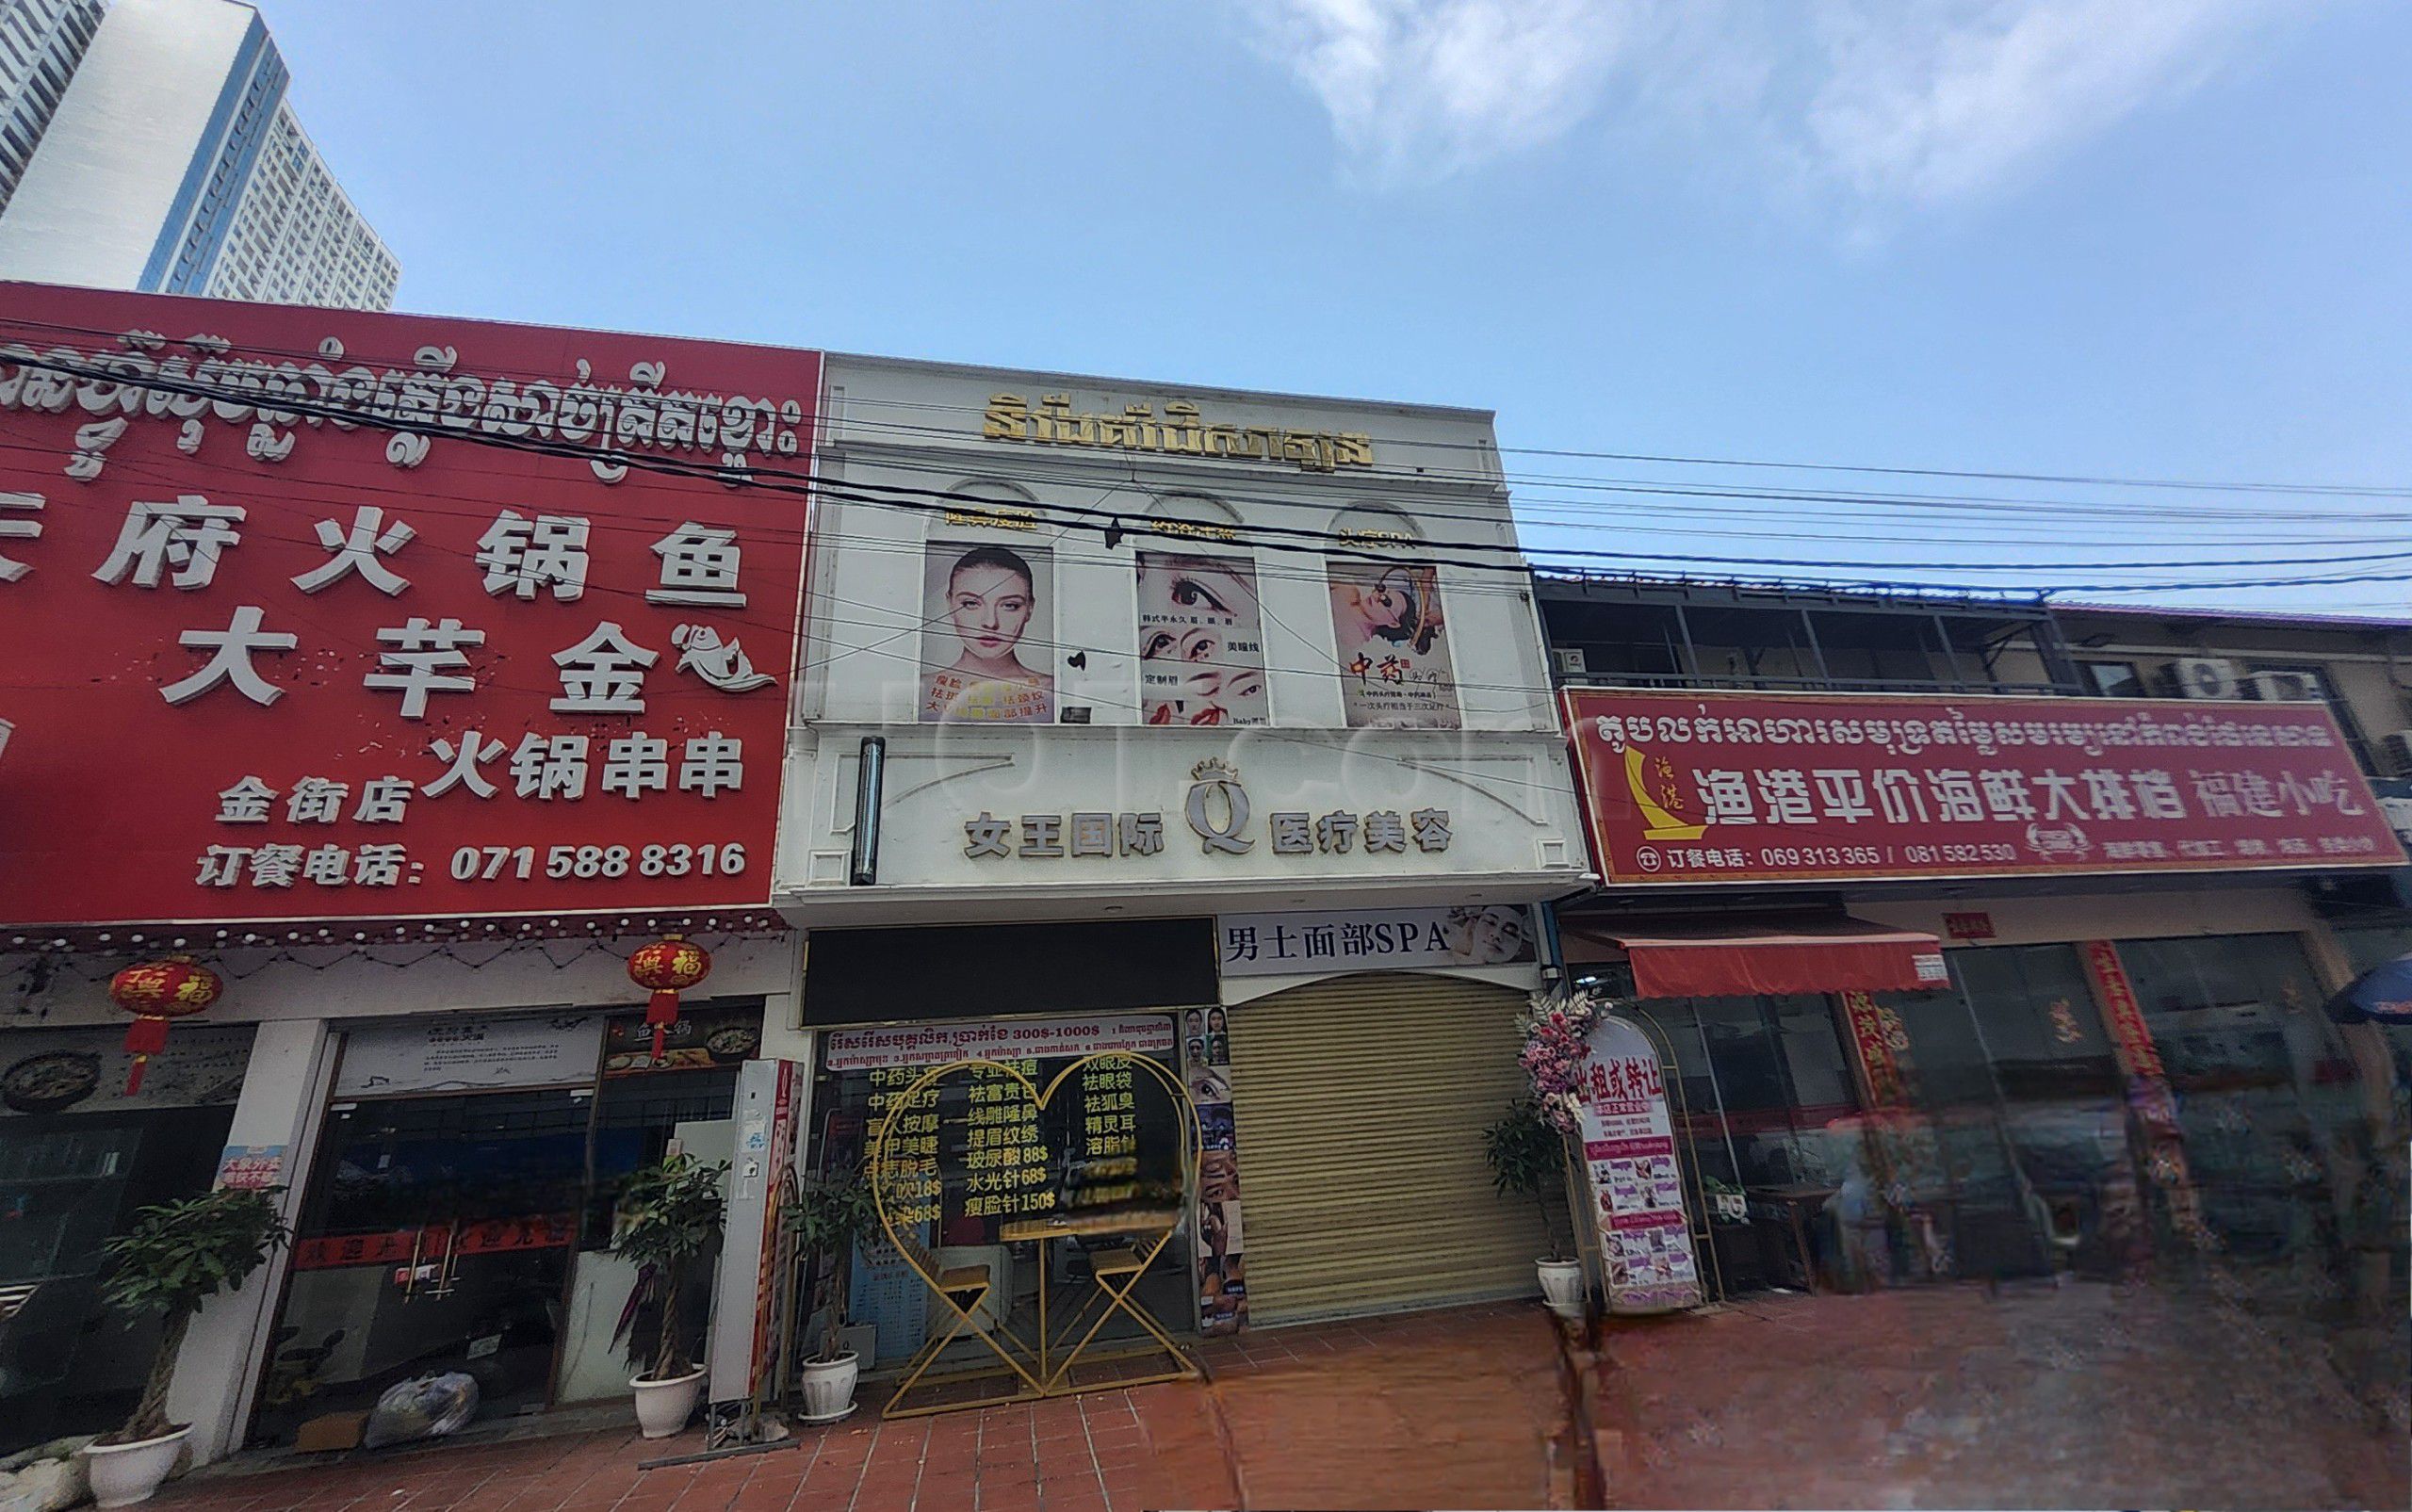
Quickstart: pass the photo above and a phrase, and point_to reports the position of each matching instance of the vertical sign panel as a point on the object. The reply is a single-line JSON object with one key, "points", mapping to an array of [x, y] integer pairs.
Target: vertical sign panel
{"points": [[1636, 1180]]}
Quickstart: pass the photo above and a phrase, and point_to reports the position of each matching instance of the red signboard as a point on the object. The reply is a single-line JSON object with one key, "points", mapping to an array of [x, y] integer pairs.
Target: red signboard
{"points": [[1695, 787], [317, 615], [436, 1242]]}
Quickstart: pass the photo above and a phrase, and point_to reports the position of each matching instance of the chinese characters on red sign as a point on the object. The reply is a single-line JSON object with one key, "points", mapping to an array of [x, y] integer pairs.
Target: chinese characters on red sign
{"points": [[372, 655], [1636, 1180], [1693, 788]]}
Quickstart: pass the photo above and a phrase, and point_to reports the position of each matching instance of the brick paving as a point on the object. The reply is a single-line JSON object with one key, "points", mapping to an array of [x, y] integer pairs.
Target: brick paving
{"points": [[1432, 1409], [2089, 1395], [1458, 1407]]}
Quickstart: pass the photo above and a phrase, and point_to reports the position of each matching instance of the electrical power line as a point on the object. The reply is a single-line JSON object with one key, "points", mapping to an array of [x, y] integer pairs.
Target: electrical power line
{"points": [[1118, 524]]}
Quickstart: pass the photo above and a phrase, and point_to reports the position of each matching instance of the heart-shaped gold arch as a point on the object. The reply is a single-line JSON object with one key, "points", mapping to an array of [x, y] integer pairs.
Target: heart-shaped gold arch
{"points": [[1039, 1373]]}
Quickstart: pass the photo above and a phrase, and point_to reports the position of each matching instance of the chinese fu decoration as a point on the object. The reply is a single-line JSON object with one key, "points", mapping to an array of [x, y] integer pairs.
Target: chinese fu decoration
{"points": [[667, 968], [154, 993]]}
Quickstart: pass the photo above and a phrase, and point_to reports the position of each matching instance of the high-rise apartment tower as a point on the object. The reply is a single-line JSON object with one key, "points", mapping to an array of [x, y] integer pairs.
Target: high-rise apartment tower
{"points": [[172, 163], [40, 43]]}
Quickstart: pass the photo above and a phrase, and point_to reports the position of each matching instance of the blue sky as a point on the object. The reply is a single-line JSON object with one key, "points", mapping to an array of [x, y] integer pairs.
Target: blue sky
{"points": [[2155, 238]]}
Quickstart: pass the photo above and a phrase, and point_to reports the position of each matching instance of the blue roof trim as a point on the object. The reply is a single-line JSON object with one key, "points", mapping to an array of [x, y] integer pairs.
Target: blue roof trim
{"points": [[256, 61]]}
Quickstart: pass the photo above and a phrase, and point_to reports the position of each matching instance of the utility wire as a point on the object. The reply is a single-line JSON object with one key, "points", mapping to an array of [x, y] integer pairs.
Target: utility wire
{"points": [[1270, 537]]}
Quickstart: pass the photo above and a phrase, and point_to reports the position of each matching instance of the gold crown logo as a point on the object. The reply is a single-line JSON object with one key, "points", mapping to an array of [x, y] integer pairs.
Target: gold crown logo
{"points": [[1215, 769]]}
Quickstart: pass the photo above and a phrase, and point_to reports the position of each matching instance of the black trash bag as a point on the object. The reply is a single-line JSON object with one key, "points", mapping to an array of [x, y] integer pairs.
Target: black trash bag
{"points": [[428, 1408]]}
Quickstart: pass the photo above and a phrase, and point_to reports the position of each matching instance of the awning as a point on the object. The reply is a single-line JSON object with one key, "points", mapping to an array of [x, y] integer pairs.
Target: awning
{"points": [[1745, 956]]}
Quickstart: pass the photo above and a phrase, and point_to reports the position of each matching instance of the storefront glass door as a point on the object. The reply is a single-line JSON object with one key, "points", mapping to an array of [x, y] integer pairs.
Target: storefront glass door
{"points": [[435, 1237], [2265, 1090], [1767, 1109], [2010, 1071], [1105, 1156]]}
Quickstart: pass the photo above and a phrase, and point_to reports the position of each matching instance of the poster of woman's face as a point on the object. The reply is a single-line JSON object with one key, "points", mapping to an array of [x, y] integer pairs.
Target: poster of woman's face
{"points": [[986, 633], [1201, 640], [1496, 935], [1394, 665]]}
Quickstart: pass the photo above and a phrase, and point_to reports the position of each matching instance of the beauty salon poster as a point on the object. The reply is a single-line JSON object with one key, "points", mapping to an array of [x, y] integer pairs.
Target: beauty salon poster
{"points": [[1201, 640], [1394, 671], [987, 633]]}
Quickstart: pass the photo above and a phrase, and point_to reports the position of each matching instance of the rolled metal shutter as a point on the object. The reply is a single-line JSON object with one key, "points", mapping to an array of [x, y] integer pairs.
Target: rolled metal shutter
{"points": [[1359, 1105]]}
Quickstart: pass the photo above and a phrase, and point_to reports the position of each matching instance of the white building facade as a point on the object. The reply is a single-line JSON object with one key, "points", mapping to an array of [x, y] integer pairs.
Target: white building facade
{"points": [[175, 164], [40, 43], [1211, 723]]}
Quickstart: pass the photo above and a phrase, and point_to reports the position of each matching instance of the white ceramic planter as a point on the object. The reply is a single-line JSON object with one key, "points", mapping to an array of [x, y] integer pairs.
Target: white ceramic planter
{"points": [[664, 1406], [829, 1388], [124, 1474], [1562, 1286]]}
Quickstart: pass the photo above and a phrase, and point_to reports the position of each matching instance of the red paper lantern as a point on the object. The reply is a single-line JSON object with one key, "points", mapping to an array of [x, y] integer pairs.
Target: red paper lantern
{"points": [[667, 968], [153, 994]]}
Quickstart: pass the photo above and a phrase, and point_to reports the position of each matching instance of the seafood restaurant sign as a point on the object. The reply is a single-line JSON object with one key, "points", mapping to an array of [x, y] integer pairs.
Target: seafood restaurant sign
{"points": [[317, 615], [1708, 787]]}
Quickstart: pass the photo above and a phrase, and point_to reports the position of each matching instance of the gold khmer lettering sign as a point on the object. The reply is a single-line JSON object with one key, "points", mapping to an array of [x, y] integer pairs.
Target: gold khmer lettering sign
{"points": [[993, 519], [1180, 432]]}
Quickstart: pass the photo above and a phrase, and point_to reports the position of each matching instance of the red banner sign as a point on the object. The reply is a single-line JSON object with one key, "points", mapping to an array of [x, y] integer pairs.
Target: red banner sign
{"points": [[1705, 787], [436, 1242], [323, 614], [1880, 1041]]}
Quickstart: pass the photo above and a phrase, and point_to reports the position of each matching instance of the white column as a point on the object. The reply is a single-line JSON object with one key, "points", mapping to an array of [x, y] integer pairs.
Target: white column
{"points": [[284, 1088]]}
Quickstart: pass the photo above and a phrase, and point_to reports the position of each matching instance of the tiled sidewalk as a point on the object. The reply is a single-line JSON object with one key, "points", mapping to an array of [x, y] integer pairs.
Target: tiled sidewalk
{"points": [[1107, 1452], [1457, 1407], [1451, 1408], [1436, 1409]]}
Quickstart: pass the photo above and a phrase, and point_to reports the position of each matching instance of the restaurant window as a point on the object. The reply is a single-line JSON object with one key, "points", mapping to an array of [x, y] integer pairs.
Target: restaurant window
{"points": [[2011, 1069], [78, 1157], [2280, 682], [2265, 1092], [2114, 679], [1762, 1078]]}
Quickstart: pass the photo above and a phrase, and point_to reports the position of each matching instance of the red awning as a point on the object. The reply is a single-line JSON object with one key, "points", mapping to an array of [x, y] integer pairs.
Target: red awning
{"points": [[1743, 956]]}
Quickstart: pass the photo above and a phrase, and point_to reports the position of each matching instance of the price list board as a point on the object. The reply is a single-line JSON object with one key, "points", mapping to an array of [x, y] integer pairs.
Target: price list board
{"points": [[1008, 1170], [909, 1173], [1051, 1117]]}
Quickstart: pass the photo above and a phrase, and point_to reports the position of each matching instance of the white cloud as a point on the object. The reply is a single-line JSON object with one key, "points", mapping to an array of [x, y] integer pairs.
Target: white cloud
{"points": [[1885, 104], [1423, 89], [1924, 106]]}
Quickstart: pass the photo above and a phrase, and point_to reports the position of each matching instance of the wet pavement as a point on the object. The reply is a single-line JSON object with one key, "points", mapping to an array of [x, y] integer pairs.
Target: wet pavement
{"points": [[1947, 1396], [1457, 1407]]}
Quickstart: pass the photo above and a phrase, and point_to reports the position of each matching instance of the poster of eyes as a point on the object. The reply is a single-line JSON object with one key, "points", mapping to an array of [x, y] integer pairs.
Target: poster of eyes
{"points": [[1394, 654], [1201, 640]]}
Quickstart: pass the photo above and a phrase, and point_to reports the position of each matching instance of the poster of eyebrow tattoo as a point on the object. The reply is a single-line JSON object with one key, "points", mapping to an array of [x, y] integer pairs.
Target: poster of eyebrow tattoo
{"points": [[1201, 640]]}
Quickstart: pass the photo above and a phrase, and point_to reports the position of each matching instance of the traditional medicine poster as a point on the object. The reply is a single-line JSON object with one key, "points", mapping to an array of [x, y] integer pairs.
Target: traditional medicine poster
{"points": [[1393, 651], [1201, 640], [1636, 1180]]}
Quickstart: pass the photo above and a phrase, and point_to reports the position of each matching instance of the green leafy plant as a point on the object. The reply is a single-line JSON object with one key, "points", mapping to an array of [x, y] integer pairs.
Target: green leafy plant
{"points": [[827, 1215], [1527, 1159], [178, 1256], [670, 1212]]}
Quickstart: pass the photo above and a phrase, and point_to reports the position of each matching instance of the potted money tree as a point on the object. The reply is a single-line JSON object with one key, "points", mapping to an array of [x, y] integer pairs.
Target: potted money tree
{"points": [[827, 1214], [175, 1256], [1528, 1156], [669, 1214]]}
